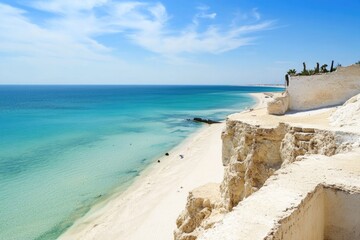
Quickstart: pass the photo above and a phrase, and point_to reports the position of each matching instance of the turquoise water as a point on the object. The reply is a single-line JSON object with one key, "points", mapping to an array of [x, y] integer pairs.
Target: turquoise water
{"points": [[64, 148]]}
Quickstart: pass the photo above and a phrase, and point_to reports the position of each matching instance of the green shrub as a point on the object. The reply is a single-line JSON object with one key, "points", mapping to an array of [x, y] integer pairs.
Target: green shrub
{"points": [[323, 68]]}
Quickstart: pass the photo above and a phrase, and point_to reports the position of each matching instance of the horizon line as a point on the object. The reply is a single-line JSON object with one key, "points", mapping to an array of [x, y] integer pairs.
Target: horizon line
{"points": [[111, 84]]}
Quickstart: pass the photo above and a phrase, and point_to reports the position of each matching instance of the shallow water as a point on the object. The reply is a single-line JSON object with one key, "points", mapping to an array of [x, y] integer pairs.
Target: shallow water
{"points": [[64, 148]]}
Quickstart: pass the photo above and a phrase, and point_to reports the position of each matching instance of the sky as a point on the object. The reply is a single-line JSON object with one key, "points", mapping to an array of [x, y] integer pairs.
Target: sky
{"points": [[210, 42]]}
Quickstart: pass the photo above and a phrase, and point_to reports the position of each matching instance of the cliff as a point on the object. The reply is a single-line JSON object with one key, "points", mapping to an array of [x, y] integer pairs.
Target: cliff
{"points": [[255, 147], [316, 198], [317, 91], [321, 90]]}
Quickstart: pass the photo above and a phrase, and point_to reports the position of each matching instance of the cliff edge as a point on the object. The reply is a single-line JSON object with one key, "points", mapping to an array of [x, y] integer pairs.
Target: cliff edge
{"points": [[261, 157]]}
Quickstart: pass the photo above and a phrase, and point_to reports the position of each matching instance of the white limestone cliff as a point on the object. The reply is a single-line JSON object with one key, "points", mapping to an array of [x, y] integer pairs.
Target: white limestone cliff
{"points": [[253, 150]]}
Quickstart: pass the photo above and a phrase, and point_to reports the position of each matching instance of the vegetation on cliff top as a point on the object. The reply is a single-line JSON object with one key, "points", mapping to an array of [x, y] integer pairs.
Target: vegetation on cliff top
{"points": [[317, 69]]}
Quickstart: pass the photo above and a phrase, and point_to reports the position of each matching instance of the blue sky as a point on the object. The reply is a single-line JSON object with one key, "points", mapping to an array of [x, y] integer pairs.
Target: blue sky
{"points": [[172, 42]]}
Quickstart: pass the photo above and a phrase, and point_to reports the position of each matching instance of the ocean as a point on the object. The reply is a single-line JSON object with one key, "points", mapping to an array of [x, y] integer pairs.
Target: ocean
{"points": [[65, 148]]}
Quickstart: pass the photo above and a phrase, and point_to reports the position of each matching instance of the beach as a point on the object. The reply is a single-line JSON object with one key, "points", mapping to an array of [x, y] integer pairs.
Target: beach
{"points": [[148, 209], [79, 154], [165, 120]]}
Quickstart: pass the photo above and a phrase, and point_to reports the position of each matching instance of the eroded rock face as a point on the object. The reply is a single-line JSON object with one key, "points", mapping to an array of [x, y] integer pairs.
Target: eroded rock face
{"points": [[251, 154], [203, 210], [300, 141]]}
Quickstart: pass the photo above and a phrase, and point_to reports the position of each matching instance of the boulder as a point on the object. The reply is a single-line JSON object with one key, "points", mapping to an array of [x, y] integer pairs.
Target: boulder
{"points": [[279, 105]]}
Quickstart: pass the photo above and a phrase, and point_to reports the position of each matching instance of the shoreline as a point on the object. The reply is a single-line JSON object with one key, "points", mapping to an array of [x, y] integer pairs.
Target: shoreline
{"points": [[280, 85], [149, 207]]}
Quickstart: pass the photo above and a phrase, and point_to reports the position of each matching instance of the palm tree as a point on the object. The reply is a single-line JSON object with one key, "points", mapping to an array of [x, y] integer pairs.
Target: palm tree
{"points": [[291, 72]]}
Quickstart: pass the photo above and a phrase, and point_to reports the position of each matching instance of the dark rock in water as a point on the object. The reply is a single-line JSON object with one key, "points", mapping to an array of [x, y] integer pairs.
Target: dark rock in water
{"points": [[203, 120], [132, 172], [166, 154]]}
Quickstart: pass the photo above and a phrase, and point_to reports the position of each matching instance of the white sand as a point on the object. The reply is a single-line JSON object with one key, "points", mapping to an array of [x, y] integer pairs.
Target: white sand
{"points": [[149, 207]]}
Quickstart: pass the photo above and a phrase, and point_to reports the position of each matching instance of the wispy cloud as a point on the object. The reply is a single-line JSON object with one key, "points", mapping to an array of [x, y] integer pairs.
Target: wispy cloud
{"points": [[203, 14], [74, 25], [68, 6], [255, 13], [19, 36]]}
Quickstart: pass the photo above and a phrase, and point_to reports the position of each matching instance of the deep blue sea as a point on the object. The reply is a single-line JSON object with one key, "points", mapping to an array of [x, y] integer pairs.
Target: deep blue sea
{"points": [[65, 148]]}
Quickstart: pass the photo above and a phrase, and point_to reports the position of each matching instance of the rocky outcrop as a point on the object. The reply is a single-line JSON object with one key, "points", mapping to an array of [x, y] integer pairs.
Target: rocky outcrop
{"points": [[251, 154], [315, 198], [279, 104], [300, 141], [203, 210], [204, 120]]}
